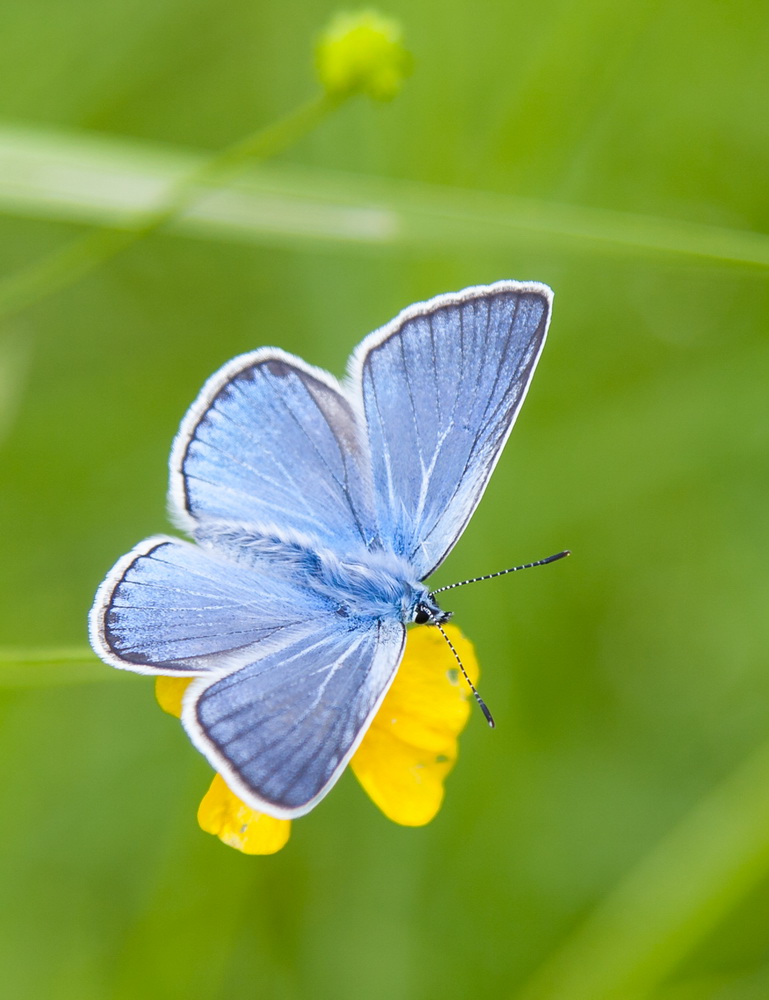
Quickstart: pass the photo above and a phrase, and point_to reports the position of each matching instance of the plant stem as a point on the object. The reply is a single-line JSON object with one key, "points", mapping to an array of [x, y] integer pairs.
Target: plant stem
{"points": [[65, 266]]}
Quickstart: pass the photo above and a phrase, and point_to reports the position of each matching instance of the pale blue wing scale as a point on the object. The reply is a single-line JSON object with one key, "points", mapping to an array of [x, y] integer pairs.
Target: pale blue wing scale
{"points": [[172, 607], [441, 387], [282, 729], [273, 442]]}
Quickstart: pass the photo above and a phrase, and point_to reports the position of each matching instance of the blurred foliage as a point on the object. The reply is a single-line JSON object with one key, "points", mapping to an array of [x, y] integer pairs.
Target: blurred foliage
{"points": [[611, 837]]}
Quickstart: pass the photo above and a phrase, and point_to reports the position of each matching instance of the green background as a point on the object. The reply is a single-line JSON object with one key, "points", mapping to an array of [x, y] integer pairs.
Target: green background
{"points": [[611, 837]]}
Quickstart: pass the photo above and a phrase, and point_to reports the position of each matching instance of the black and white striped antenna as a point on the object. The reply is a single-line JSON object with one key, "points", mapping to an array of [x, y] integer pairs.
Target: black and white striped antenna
{"points": [[503, 572], [477, 579]]}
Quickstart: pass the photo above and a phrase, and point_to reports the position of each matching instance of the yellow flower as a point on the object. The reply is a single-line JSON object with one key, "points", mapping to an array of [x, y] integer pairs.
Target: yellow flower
{"points": [[222, 813], [402, 761], [411, 745], [362, 53]]}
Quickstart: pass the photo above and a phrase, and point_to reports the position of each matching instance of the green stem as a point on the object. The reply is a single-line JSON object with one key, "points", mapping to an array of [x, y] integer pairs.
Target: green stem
{"points": [[43, 668], [60, 655], [65, 266]]}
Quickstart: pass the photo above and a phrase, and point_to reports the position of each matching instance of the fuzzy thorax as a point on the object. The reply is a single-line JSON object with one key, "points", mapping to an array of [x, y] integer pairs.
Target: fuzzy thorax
{"points": [[365, 583]]}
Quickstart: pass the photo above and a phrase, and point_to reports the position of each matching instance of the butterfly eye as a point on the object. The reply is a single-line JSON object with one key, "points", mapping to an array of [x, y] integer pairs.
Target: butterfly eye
{"points": [[422, 616]]}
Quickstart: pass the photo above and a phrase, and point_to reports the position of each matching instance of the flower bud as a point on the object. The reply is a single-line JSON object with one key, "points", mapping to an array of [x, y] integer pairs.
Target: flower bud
{"points": [[362, 53]]}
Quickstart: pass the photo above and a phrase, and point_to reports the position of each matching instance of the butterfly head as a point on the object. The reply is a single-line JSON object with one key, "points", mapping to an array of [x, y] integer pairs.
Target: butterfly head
{"points": [[427, 612]]}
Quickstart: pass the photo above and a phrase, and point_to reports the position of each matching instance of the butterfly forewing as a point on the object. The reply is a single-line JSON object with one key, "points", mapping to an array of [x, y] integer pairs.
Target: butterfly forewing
{"points": [[273, 442], [441, 388]]}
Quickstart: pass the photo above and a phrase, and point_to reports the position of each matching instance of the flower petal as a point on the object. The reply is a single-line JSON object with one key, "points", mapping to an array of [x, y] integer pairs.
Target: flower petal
{"points": [[169, 692], [412, 743], [222, 813]]}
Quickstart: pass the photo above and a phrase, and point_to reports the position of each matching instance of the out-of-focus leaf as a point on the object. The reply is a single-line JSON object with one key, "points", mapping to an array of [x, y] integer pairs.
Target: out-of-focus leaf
{"points": [[105, 181]]}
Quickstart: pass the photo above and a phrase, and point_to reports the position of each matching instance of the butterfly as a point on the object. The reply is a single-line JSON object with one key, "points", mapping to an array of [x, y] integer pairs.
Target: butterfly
{"points": [[317, 511]]}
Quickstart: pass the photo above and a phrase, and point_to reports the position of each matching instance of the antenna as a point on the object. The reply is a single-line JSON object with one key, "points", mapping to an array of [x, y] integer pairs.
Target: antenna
{"points": [[481, 702], [503, 572], [477, 579]]}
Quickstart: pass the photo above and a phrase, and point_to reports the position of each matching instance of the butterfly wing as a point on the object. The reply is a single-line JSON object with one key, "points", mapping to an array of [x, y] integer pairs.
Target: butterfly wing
{"points": [[440, 388], [286, 686], [273, 442], [172, 607], [282, 729]]}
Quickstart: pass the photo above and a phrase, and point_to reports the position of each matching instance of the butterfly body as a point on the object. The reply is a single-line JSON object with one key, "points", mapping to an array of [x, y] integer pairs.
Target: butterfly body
{"points": [[318, 509], [370, 584]]}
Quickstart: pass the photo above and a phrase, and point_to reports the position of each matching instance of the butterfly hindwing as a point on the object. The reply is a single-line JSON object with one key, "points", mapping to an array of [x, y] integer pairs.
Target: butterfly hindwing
{"points": [[441, 387], [281, 729]]}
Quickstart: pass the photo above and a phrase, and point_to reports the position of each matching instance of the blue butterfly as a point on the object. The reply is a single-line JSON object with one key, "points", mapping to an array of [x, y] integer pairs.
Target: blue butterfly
{"points": [[319, 509]]}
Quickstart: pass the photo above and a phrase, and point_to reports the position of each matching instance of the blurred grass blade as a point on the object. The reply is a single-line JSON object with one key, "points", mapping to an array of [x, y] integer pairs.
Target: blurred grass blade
{"points": [[671, 901], [68, 264], [106, 181], [48, 667], [15, 354]]}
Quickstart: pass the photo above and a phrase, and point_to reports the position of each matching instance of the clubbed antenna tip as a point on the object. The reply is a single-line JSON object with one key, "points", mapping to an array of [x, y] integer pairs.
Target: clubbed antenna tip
{"points": [[504, 572], [481, 703]]}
